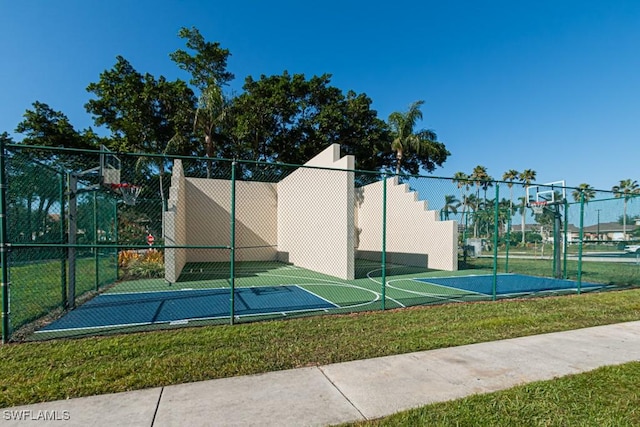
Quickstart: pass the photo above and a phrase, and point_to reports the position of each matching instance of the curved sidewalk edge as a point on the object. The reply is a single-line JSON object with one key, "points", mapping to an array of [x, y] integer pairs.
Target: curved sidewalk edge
{"points": [[350, 391]]}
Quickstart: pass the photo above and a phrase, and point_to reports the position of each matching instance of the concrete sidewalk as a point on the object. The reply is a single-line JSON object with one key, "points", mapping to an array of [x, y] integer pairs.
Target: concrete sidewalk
{"points": [[350, 391]]}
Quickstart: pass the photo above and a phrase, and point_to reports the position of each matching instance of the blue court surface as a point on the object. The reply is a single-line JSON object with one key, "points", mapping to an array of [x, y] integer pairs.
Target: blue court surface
{"points": [[507, 284], [144, 308]]}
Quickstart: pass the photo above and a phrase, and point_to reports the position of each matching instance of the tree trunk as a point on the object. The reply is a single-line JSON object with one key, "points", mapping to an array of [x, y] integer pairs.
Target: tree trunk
{"points": [[624, 220], [524, 212], [399, 162], [208, 142]]}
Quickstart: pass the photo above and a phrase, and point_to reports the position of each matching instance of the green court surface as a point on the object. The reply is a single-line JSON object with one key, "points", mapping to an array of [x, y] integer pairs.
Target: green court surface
{"points": [[272, 290], [362, 293]]}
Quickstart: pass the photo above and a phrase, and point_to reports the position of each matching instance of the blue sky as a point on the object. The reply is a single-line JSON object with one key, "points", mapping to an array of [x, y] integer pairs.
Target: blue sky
{"points": [[551, 86]]}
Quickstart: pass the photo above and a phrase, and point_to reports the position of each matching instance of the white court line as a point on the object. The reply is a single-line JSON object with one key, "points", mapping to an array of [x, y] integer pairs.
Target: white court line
{"points": [[389, 281], [328, 282], [316, 295], [422, 280], [182, 321], [424, 294]]}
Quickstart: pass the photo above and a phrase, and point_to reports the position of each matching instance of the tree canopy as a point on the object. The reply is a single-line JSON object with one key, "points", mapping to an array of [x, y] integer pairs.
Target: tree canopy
{"points": [[47, 127], [287, 118], [290, 119], [144, 114], [423, 143]]}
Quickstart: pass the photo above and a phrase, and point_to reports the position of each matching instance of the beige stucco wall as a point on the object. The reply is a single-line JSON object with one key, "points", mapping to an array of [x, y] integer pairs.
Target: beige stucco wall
{"points": [[175, 225], [209, 214], [316, 215], [314, 218], [412, 229]]}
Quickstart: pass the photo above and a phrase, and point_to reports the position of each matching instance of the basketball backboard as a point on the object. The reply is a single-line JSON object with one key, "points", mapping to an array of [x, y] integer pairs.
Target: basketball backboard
{"points": [[110, 166], [550, 193]]}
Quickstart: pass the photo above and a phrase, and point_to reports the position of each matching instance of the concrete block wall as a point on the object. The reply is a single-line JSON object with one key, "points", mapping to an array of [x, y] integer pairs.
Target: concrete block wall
{"points": [[312, 218], [414, 233], [316, 215], [209, 218], [175, 225]]}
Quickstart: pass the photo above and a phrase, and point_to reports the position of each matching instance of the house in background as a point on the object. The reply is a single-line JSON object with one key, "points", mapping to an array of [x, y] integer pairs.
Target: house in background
{"points": [[610, 231], [603, 232]]}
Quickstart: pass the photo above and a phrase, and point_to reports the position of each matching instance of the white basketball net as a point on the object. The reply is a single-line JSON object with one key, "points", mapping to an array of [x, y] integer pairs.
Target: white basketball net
{"points": [[538, 207], [129, 192]]}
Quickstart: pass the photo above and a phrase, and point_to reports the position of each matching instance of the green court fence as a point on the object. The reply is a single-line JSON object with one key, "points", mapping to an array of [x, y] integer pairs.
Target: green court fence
{"points": [[219, 241]]}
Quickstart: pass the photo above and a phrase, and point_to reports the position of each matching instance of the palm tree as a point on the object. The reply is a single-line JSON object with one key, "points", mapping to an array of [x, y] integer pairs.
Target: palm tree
{"points": [[463, 183], [451, 205], [584, 188], [510, 176], [526, 177], [481, 179], [505, 212], [522, 210], [474, 204], [404, 137], [627, 189], [210, 115]]}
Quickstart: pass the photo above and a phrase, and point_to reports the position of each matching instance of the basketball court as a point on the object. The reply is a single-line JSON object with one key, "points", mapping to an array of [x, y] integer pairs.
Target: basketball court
{"points": [[242, 250], [276, 290]]}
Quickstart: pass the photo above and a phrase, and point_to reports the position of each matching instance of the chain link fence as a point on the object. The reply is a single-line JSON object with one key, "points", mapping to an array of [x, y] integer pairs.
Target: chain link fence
{"points": [[217, 241]]}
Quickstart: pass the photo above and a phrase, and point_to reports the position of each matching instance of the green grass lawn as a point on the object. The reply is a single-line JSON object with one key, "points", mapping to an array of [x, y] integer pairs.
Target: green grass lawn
{"points": [[36, 288], [61, 369], [608, 396]]}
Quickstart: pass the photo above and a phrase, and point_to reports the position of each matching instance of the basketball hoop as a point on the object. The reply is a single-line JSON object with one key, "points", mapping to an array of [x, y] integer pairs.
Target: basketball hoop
{"points": [[129, 192], [538, 207]]}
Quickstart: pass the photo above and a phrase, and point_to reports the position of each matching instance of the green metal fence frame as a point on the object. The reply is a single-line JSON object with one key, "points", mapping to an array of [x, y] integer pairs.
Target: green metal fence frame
{"points": [[68, 296]]}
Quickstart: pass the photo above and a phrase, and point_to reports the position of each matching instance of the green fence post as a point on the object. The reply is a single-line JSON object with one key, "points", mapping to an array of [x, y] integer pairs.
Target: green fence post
{"points": [[95, 241], [556, 242], [232, 244], [72, 238], [63, 239], [581, 241], [496, 228], [4, 245], [464, 232], [115, 236], [566, 239], [384, 241], [507, 243]]}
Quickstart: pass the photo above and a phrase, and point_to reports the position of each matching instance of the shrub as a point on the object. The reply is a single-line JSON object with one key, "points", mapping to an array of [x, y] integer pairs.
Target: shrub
{"points": [[141, 264]]}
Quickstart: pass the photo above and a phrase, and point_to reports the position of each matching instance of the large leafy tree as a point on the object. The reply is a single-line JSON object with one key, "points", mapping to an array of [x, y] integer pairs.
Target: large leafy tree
{"points": [[627, 189], [47, 127], [423, 142], [289, 119], [207, 65], [144, 114], [44, 126], [206, 62], [36, 174]]}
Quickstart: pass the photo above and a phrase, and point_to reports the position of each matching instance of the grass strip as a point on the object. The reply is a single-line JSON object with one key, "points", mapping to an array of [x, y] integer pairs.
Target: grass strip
{"points": [[607, 396], [52, 370]]}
